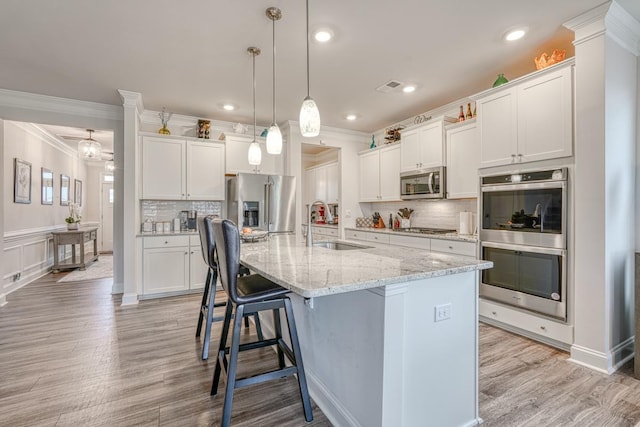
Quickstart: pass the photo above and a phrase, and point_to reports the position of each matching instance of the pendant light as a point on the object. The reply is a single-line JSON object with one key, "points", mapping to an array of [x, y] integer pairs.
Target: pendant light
{"points": [[274, 137], [90, 148], [309, 113], [109, 166], [255, 153]]}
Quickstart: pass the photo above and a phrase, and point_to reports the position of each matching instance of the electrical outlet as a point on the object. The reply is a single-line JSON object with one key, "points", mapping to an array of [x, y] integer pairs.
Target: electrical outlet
{"points": [[442, 312]]}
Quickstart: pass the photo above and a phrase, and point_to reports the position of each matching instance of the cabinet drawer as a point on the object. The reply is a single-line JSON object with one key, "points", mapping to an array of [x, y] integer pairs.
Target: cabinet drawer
{"points": [[378, 237], [165, 241], [454, 247], [356, 235], [543, 328], [410, 241], [325, 231]]}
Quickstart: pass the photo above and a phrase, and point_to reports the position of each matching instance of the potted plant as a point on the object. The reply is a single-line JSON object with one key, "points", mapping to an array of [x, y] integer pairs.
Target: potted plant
{"points": [[73, 220]]}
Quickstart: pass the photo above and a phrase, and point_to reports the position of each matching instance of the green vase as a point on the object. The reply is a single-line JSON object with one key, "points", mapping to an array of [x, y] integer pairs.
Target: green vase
{"points": [[500, 80]]}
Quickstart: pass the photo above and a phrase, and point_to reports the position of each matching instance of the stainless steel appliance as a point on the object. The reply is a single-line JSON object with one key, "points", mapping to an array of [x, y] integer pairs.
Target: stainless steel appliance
{"points": [[262, 201], [192, 220], [425, 184], [524, 232]]}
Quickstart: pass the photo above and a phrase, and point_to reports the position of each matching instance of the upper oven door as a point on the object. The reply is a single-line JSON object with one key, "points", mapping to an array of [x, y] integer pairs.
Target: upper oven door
{"points": [[427, 184], [527, 213]]}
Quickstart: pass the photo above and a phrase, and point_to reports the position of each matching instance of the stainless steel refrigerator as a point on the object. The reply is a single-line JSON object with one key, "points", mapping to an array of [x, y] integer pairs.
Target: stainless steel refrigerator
{"points": [[265, 202]]}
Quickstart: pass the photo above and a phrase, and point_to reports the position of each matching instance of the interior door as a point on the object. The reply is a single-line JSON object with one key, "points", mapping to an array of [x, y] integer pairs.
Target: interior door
{"points": [[106, 244]]}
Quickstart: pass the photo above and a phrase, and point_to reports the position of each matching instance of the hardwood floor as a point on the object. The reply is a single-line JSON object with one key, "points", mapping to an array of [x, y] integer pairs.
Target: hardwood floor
{"points": [[70, 355]]}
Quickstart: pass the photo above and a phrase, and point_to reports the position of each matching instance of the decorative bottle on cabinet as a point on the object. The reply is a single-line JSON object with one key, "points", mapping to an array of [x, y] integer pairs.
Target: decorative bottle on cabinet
{"points": [[469, 115], [461, 115]]}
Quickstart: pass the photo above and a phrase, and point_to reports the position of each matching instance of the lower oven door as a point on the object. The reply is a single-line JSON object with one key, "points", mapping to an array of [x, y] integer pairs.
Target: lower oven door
{"points": [[528, 277]]}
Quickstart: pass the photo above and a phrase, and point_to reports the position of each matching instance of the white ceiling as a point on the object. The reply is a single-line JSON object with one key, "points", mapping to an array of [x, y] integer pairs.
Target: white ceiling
{"points": [[190, 56]]}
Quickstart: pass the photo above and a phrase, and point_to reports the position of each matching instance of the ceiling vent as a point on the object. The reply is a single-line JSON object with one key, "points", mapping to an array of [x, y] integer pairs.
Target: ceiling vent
{"points": [[390, 86]]}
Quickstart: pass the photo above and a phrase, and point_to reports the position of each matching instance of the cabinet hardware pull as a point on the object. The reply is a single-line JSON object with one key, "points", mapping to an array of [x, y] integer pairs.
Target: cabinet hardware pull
{"points": [[166, 243], [186, 253], [544, 328], [494, 313]]}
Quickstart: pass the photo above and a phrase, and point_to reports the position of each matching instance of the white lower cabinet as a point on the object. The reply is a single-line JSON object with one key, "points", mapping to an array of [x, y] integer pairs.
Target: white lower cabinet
{"points": [[172, 264], [320, 232], [455, 247], [545, 330]]}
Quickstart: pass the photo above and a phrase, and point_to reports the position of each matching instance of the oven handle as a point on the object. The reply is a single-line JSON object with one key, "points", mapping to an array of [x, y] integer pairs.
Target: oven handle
{"points": [[523, 248], [431, 183], [524, 186]]}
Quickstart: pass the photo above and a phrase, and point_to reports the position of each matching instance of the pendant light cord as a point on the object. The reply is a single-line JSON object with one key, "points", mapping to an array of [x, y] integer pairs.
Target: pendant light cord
{"points": [[253, 55], [274, 71], [308, 48]]}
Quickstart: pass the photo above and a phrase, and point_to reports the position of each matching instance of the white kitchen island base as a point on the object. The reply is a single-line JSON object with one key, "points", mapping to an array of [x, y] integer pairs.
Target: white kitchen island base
{"points": [[378, 357]]}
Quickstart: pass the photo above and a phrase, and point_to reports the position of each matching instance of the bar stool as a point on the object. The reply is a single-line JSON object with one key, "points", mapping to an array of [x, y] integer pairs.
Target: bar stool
{"points": [[248, 295], [207, 244]]}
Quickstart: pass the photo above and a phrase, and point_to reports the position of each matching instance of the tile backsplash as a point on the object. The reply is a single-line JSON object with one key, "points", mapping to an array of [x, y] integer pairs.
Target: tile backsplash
{"points": [[166, 210], [426, 213]]}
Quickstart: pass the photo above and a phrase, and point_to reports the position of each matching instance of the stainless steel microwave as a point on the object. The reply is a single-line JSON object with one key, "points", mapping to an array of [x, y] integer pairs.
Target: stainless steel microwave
{"points": [[423, 184]]}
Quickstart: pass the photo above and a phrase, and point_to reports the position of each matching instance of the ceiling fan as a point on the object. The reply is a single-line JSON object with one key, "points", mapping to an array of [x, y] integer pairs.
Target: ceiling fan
{"points": [[104, 155]]}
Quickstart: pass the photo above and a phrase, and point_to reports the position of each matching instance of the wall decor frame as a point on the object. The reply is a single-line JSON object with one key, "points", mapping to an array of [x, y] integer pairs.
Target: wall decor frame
{"points": [[65, 186], [46, 186], [21, 181], [77, 192]]}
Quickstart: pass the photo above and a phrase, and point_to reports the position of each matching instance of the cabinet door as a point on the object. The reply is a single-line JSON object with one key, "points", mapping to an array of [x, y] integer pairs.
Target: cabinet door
{"points": [[390, 173], [370, 176], [498, 128], [309, 186], [431, 145], [409, 151], [165, 270], [333, 183], [205, 171], [545, 117], [197, 269], [321, 183], [163, 162], [463, 154], [236, 150]]}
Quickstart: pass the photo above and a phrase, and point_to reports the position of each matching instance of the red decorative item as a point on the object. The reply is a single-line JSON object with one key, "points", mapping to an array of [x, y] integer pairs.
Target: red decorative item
{"points": [[320, 215]]}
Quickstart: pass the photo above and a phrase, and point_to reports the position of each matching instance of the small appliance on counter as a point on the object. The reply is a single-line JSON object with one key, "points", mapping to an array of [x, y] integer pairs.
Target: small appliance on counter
{"points": [[184, 224], [192, 220]]}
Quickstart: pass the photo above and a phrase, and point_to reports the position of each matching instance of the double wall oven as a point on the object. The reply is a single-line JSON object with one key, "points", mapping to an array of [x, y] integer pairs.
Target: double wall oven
{"points": [[523, 230]]}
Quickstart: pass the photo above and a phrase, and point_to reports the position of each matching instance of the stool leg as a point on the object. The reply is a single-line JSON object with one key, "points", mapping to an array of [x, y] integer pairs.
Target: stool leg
{"points": [[222, 348], [278, 328], [302, 379], [233, 364], [204, 302], [256, 319], [246, 322], [212, 302]]}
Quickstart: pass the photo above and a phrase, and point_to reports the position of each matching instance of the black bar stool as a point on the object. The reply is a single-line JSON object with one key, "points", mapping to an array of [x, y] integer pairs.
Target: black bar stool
{"points": [[248, 295], [207, 244]]}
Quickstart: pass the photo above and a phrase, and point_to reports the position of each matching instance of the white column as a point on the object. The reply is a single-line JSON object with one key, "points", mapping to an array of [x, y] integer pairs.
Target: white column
{"points": [[132, 103], [3, 299], [605, 111]]}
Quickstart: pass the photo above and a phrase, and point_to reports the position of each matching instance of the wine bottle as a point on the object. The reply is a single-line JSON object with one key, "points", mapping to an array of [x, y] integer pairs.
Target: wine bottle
{"points": [[461, 115], [469, 115]]}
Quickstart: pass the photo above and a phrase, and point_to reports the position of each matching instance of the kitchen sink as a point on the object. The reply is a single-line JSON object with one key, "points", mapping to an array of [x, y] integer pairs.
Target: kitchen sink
{"points": [[341, 246]]}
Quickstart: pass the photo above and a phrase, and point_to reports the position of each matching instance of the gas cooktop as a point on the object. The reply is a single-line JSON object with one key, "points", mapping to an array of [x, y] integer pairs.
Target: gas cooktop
{"points": [[425, 230]]}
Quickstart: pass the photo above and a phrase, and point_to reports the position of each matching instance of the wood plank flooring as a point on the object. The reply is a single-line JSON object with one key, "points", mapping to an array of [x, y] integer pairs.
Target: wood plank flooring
{"points": [[70, 355]]}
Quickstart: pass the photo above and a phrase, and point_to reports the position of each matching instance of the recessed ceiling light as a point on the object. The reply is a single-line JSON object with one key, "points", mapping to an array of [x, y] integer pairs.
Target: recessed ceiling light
{"points": [[323, 35], [229, 107], [409, 89], [515, 35], [351, 117]]}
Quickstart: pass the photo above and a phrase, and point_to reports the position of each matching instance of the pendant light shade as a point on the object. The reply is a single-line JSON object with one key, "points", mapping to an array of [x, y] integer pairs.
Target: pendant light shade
{"points": [[109, 166], [254, 156], [274, 136], [309, 113], [90, 148]]}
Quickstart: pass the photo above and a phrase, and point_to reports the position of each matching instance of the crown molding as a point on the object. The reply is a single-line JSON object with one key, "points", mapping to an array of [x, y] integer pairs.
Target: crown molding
{"points": [[588, 18], [46, 137], [623, 28], [326, 131], [131, 99], [54, 104]]}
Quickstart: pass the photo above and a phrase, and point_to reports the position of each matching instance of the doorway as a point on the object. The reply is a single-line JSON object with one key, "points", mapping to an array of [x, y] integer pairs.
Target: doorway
{"points": [[320, 181], [106, 215]]}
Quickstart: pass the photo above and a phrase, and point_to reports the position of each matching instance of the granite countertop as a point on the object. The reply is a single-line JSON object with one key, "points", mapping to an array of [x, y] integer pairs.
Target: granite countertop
{"points": [[447, 236], [318, 271]]}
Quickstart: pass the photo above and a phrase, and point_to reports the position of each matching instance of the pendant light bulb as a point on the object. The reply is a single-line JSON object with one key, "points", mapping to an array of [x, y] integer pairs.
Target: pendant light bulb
{"points": [[274, 136], [309, 113], [254, 155]]}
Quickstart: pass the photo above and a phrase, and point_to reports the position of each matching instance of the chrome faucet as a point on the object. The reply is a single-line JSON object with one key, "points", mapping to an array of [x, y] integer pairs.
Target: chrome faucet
{"points": [[329, 219]]}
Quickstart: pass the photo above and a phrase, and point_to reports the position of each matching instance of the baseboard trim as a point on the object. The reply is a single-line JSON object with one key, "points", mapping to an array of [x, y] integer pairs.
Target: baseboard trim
{"points": [[606, 363], [331, 407], [129, 300]]}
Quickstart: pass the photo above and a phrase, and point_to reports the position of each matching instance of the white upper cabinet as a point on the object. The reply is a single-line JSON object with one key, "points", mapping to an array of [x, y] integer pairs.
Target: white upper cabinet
{"points": [[423, 146], [463, 160], [321, 183], [333, 183], [237, 148], [531, 119], [175, 169], [380, 174], [163, 166]]}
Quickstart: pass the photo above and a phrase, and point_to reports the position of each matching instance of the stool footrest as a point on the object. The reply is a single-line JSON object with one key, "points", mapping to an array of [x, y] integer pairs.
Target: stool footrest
{"points": [[267, 376]]}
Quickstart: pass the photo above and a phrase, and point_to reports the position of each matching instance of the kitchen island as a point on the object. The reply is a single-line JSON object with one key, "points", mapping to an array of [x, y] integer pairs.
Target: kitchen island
{"points": [[389, 334]]}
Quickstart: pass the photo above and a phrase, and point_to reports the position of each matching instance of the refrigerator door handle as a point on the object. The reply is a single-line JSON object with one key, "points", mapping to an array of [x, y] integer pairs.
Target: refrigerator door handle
{"points": [[267, 207]]}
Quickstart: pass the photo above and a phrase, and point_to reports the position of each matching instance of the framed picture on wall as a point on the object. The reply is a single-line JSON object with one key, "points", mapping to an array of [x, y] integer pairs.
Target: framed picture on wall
{"points": [[77, 199], [46, 186], [21, 181], [65, 185]]}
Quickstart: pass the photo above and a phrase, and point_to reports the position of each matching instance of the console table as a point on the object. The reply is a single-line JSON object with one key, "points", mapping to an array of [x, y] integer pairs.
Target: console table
{"points": [[73, 238]]}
